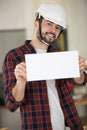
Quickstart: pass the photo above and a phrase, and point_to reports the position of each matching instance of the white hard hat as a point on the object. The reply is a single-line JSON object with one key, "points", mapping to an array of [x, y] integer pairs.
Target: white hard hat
{"points": [[53, 12]]}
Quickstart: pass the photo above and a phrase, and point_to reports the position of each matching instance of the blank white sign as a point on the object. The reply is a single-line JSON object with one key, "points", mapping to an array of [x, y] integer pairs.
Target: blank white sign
{"points": [[54, 65]]}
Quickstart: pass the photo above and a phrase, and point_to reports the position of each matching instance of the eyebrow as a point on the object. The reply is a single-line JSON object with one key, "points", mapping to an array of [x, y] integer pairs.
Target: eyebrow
{"points": [[54, 23]]}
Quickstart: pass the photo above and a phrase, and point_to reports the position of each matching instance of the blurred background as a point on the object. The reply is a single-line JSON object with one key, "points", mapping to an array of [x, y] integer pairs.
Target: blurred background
{"points": [[16, 25]]}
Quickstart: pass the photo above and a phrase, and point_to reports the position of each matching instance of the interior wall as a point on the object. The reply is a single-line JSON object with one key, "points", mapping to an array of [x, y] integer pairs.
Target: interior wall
{"points": [[10, 120], [77, 25], [10, 39], [12, 14]]}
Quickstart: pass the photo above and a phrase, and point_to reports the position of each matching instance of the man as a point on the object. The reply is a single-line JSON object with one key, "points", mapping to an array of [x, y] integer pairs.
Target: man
{"points": [[47, 104]]}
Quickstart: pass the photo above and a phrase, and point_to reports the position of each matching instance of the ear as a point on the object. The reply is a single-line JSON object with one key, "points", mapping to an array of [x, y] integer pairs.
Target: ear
{"points": [[36, 25]]}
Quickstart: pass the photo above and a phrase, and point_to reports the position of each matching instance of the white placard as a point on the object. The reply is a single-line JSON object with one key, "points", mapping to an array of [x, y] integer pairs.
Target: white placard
{"points": [[54, 65]]}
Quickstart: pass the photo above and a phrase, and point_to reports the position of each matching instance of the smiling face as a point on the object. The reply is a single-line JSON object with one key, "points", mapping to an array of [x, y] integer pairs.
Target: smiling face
{"points": [[49, 31]]}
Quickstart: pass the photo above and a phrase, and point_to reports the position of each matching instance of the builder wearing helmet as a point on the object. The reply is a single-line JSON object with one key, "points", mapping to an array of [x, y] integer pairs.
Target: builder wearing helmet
{"points": [[54, 16], [44, 105]]}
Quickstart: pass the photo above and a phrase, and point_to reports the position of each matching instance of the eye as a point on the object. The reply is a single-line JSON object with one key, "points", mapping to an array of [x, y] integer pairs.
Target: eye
{"points": [[49, 23], [58, 28]]}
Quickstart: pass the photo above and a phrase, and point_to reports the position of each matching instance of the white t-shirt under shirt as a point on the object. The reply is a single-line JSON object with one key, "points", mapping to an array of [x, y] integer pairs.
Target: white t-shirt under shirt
{"points": [[57, 117]]}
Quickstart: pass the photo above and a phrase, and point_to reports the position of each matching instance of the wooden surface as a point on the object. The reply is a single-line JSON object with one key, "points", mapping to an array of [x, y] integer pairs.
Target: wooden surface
{"points": [[80, 102], [3, 128]]}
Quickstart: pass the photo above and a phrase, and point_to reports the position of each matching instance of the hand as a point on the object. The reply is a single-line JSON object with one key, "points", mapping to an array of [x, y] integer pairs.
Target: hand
{"points": [[81, 65], [20, 72], [80, 80]]}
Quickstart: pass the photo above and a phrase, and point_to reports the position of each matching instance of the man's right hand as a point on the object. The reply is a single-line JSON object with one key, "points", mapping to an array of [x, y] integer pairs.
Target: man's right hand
{"points": [[18, 91], [20, 72]]}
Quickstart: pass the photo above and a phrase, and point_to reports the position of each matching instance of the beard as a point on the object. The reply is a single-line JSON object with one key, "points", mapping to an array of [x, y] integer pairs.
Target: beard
{"points": [[43, 37]]}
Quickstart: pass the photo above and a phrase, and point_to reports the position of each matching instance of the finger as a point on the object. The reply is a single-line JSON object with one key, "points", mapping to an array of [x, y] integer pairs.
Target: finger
{"points": [[20, 70], [21, 67], [81, 64]]}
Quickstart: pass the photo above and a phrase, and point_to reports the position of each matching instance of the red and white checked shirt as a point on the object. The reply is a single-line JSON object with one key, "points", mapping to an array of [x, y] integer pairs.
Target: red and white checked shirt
{"points": [[34, 109]]}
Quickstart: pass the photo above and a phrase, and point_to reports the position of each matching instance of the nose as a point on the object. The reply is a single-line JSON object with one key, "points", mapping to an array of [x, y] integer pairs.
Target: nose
{"points": [[53, 28]]}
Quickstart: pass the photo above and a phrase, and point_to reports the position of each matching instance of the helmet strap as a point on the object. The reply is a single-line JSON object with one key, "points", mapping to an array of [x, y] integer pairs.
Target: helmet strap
{"points": [[61, 32], [40, 33]]}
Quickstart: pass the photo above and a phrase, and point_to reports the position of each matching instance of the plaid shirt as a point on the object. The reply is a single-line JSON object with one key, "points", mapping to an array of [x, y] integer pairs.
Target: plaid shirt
{"points": [[34, 108]]}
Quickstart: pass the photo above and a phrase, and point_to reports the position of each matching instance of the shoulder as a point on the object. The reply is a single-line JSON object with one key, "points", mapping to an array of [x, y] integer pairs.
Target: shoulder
{"points": [[20, 50], [17, 54]]}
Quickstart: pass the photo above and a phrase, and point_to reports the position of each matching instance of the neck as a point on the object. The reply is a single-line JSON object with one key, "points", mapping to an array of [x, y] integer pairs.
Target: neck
{"points": [[39, 45]]}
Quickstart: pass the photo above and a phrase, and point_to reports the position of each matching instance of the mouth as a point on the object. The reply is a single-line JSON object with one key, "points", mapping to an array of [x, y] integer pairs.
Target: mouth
{"points": [[51, 35]]}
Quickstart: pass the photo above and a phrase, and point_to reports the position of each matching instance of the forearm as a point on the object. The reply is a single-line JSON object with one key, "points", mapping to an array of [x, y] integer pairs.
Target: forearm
{"points": [[19, 91]]}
